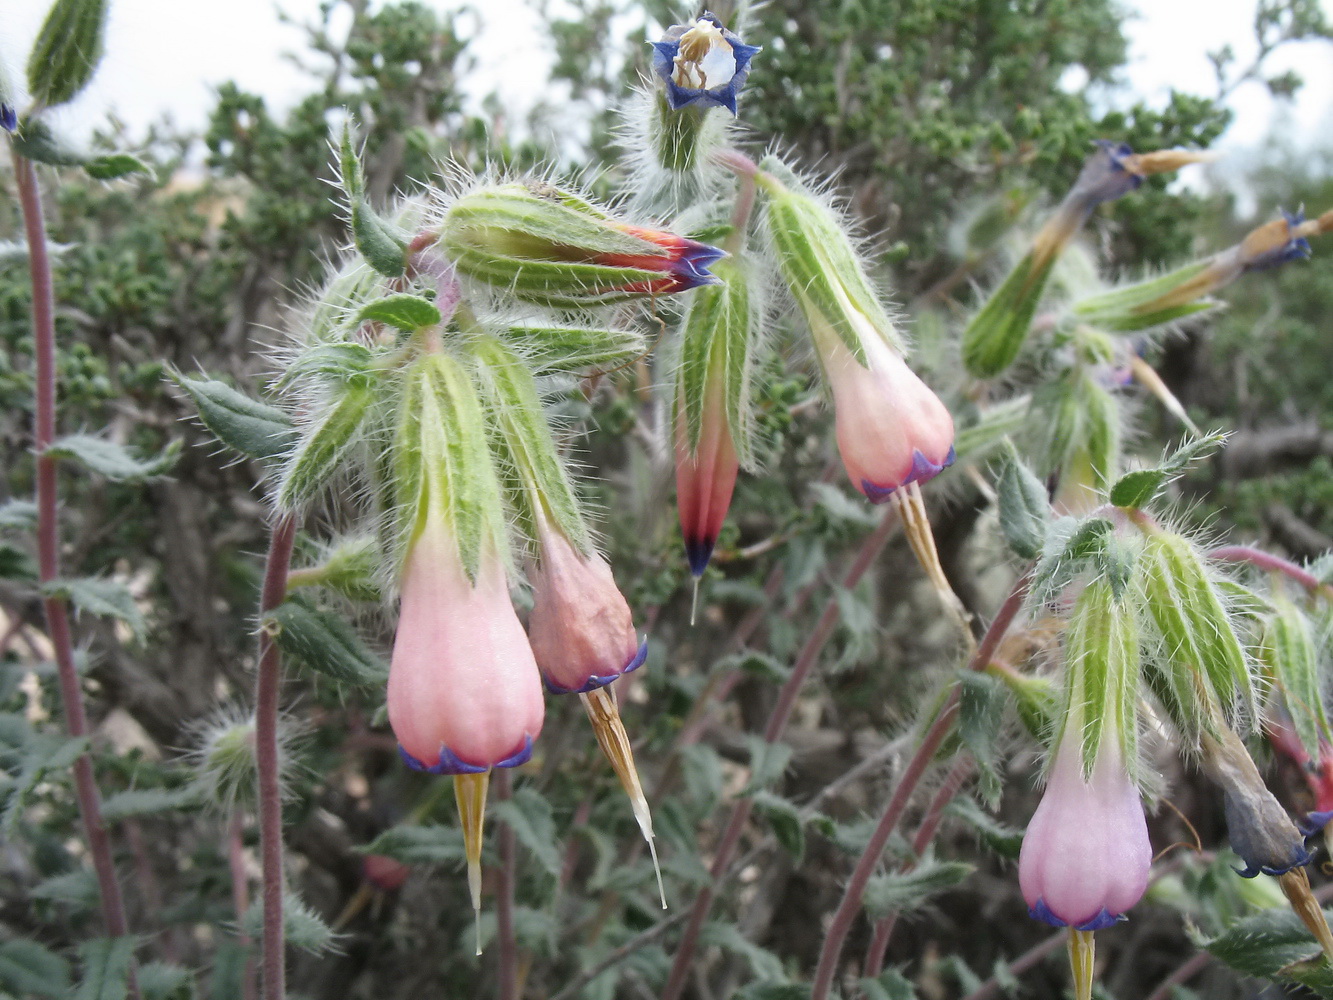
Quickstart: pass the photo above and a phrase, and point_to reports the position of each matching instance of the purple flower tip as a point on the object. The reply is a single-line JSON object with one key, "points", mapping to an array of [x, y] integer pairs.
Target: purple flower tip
{"points": [[692, 268], [698, 551], [1314, 823], [451, 763], [601, 680], [9, 119], [1106, 175], [923, 469], [1103, 919]]}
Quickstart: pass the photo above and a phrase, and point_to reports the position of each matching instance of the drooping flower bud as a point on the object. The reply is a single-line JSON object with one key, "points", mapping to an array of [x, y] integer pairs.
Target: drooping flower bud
{"points": [[464, 691], [718, 336], [995, 336], [581, 630], [702, 64], [892, 429], [546, 245], [384, 873], [1086, 854]]}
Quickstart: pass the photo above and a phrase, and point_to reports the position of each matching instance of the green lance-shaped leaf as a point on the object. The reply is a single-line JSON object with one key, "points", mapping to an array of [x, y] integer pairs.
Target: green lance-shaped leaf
{"points": [[1102, 672], [36, 140], [349, 566], [149, 802], [768, 762], [570, 349], [42, 754], [325, 643], [719, 337], [31, 969], [379, 241], [408, 313], [67, 50], [163, 981], [114, 461], [523, 437], [338, 362], [1201, 656], [1072, 547], [1025, 510], [818, 262], [105, 598], [995, 336], [107, 963], [246, 425], [1290, 651], [442, 460], [532, 818], [1082, 440], [1144, 304], [900, 892], [1268, 944], [785, 820], [1138, 488], [1037, 700], [302, 927], [325, 446], [980, 715], [420, 845]]}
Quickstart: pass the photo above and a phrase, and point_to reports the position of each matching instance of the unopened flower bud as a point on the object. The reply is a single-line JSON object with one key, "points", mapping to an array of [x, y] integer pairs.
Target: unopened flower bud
{"points": [[702, 63], [383, 872], [548, 246], [581, 630]]}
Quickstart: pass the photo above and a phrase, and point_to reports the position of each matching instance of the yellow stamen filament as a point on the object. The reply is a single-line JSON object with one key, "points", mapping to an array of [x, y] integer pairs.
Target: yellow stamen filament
{"points": [[470, 792], [600, 704], [916, 526], [1147, 377], [1296, 887], [691, 64], [1082, 953]]}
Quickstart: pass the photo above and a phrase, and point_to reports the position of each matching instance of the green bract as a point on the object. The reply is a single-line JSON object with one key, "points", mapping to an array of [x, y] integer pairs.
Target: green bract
{"points": [[1102, 673]]}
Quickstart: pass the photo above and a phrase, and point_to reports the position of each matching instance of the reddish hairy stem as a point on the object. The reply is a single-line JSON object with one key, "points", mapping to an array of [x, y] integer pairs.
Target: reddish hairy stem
{"points": [[1276, 564], [240, 894], [507, 950], [925, 833], [934, 736], [48, 549], [777, 722], [273, 962]]}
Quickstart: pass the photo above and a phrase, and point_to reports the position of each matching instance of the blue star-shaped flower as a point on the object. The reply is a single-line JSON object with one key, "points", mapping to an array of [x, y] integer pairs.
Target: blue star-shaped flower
{"points": [[702, 63], [1282, 253]]}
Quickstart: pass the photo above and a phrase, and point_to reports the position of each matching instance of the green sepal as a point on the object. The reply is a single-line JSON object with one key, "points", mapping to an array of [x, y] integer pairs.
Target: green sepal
{"points": [[442, 463], [1037, 700], [378, 240], [1200, 654], [37, 141], [980, 715], [523, 437], [1291, 651], [1102, 673], [342, 361], [408, 313], [325, 643], [324, 447], [1072, 546], [719, 334], [1137, 306], [342, 297], [111, 460], [105, 598], [995, 336], [1024, 508], [244, 424], [569, 349], [350, 567], [676, 134], [819, 264], [66, 52], [1083, 431]]}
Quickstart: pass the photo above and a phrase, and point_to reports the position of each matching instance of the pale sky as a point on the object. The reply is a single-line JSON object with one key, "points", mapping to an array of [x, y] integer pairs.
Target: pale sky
{"points": [[164, 56]]}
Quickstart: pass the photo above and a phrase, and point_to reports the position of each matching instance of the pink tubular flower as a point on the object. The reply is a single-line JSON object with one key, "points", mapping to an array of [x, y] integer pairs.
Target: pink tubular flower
{"points": [[581, 630], [705, 478], [1086, 854], [464, 691], [892, 429]]}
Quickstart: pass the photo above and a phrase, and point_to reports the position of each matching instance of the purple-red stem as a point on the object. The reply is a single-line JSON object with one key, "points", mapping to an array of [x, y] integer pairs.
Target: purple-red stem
{"points": [[1276, 564], [935, 734], [48, 549], [925, 833], [777, 722], [240, 895], [507, 948], [273, 961]]}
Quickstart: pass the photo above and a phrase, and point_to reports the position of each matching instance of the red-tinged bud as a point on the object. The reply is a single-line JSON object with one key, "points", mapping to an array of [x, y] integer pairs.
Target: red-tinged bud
{"points": [[581, 629], [892, 429], [464, 691], [383, 872], [705, 478], [1086, 853]]}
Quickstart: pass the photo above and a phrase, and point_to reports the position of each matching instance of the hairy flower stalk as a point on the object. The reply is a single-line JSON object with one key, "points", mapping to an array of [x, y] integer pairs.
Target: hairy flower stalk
{"points": [[1086, 853], [995, 336], [546, 245]]}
